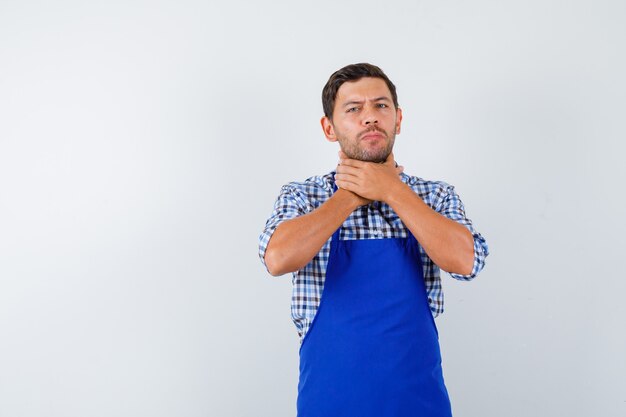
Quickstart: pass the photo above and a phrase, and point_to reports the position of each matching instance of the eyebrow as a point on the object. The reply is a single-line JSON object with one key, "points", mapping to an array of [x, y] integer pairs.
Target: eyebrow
{"points": [[382, 98]]}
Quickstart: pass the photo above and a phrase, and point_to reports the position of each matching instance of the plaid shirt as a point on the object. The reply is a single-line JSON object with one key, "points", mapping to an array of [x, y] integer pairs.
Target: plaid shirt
{"points": [[373, 221]]}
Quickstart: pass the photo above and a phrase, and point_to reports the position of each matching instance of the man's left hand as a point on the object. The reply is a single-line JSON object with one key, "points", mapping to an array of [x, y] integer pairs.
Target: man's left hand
{"points": [[368, 179]]}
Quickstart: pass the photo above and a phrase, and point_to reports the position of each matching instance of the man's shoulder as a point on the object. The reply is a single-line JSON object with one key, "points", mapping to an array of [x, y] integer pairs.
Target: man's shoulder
{"points": [[423, 186], [316, 183], [312, 189]]}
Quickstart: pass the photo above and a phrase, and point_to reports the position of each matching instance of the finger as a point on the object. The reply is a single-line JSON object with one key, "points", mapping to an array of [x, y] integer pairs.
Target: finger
{"points": [[347, 178], [347, 185], [343, 184], [347, 169]]}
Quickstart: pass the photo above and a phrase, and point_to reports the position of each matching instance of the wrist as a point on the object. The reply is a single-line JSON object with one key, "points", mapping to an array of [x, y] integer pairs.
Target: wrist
{"points": [[349, 198], [393, 190]]}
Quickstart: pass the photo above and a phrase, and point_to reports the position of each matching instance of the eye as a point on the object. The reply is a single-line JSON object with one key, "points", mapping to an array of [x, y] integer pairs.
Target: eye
{"points": [[352, 110], [382, 105]]}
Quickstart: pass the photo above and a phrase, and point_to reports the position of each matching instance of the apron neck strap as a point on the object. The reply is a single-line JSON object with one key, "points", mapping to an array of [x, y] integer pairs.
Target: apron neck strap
{"points": [[336, 234]]}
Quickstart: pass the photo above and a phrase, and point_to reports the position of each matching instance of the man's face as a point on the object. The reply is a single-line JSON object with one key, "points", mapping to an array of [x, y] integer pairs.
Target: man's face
{"points": [[365, 120]]}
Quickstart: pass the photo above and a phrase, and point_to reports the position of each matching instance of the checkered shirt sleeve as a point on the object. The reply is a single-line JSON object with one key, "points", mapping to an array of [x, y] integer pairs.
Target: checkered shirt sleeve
{"points": [[295, 199], [447, 202]]}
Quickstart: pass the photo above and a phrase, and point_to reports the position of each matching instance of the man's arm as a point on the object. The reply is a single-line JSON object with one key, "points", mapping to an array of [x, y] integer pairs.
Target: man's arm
{"points": [[449, 244], [296, 241]]}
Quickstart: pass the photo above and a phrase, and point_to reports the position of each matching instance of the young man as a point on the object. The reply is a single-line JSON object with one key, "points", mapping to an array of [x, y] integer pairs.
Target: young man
{"points": [[365, 244]]}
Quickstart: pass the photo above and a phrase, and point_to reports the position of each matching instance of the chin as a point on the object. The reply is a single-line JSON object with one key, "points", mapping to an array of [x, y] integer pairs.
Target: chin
{"points": [[379, 158], [363, 155], [375, 160]]}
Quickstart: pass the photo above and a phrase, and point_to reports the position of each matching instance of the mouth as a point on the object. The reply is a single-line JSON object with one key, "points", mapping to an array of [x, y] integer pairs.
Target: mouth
{"points": [[372, 135]]}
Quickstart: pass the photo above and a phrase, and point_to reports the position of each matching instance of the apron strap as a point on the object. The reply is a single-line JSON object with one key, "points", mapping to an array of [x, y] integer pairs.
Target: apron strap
{"points": [[335, 237]]}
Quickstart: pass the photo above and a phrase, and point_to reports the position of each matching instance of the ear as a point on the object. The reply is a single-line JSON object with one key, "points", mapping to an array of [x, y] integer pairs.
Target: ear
{"points": [[329, 130], [398, 120]]}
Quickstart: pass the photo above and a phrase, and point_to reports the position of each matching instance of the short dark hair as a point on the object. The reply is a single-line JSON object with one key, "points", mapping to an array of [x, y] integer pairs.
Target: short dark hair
{"points": [[353, 72]]}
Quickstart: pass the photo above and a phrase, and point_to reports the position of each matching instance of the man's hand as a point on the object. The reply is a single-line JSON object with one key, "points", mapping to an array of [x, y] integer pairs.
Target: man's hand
{"points": [[369, 180]]}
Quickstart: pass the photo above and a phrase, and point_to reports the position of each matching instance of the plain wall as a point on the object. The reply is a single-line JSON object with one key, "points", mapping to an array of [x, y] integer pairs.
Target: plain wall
{"points": [[142, 145]]}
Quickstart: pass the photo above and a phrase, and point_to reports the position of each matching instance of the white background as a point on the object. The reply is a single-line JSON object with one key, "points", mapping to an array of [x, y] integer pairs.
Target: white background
{"points": [[142, 145]]}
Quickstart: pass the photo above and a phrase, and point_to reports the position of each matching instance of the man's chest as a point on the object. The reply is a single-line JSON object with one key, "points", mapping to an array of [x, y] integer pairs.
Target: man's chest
{"points": [[373, 221]]}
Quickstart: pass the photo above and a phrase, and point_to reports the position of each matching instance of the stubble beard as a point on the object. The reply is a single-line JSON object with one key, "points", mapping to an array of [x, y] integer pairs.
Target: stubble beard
{"points": [[354, 151]]}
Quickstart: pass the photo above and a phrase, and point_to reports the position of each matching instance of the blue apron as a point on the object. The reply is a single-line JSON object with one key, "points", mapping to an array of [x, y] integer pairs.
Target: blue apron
{"points": [[373, 347]]}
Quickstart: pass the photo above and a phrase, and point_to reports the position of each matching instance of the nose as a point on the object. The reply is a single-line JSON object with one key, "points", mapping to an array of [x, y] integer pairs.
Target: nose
{"points": [[369, 117]]}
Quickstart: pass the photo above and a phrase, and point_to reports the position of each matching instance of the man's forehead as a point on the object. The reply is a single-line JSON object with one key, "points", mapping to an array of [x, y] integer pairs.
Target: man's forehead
{"points": [[367, 88]]}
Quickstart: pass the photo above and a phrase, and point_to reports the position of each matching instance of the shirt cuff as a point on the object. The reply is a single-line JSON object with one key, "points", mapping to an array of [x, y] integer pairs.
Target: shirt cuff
{"points": [[481, 250]]}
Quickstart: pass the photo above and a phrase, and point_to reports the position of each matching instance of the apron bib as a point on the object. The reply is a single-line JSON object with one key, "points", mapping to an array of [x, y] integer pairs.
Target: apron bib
{"points": [[373, 347]]}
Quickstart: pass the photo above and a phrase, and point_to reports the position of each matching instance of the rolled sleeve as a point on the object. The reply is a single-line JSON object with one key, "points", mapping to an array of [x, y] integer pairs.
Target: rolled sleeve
{"points": [[289, 204], [448, 203], [481, 250]]}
